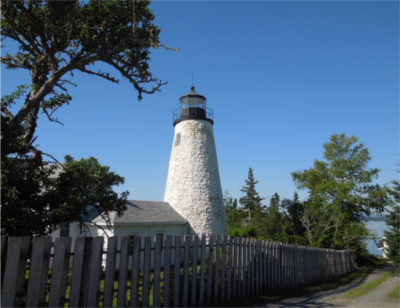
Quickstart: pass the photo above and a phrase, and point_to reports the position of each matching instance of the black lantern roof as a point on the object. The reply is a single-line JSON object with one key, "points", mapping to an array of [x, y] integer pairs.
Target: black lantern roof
{"points": [[193, 93]]}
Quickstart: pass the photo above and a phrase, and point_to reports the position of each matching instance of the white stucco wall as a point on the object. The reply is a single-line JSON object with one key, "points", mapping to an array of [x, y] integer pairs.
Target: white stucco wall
{"points": [[193, 186], [149, 230], [75, 232]]}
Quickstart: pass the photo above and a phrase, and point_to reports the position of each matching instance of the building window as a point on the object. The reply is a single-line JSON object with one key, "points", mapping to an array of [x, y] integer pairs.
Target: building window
{"points": [[64, 230], [160, 234], [177, 139]]}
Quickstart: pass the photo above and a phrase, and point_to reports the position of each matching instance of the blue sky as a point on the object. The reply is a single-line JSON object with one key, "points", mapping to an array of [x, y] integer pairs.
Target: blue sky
{"points": [[282, 77]]}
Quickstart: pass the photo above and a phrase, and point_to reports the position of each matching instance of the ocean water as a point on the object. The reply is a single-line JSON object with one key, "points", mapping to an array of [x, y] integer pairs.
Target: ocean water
{"points": [[377, 227]]}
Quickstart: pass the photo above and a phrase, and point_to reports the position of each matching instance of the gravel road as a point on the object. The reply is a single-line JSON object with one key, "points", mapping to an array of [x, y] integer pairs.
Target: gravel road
{"points": [[332, 298]]}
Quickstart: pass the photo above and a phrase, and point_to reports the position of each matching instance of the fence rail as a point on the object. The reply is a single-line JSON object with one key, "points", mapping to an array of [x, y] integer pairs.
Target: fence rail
{"points": [[141, 272]]}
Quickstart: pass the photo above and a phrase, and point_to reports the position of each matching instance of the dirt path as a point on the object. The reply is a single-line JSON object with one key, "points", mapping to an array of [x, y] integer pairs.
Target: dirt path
{"points": [[376, 298]]}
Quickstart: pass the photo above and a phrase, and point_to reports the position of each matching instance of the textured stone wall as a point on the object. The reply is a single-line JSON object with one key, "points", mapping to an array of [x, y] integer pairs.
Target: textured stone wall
{"points": [[193, 186]]}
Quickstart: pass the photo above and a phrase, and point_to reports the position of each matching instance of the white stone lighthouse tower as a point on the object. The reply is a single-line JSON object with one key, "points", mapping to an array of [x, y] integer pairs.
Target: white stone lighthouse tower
{"points": [[193, 185]]}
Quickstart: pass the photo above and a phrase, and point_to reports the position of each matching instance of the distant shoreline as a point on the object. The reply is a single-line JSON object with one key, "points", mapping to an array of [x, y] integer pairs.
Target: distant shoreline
{"points": [[374, 218]]}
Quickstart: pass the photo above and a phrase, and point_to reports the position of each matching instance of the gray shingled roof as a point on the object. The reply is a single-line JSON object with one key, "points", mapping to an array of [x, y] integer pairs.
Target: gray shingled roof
{"points": [[145, 212]]}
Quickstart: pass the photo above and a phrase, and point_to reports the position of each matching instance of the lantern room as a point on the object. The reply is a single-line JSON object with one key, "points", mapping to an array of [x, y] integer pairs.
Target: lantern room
{"points": [[192, 106]]}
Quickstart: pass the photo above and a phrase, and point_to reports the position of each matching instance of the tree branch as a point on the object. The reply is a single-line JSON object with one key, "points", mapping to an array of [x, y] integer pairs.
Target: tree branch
{"points": [[32, 44], [31, 125], [58, 84], [136, 83], [99, 74], [12, 62], [35, 98], [51, 118], [53, 158], [7, 112]]}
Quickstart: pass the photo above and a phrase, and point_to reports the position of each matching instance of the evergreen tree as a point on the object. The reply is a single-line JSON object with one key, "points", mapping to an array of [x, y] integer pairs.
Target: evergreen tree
{"points": [[393, 233], [273, 223], [294, 211], [251, 201], [275, 200]]}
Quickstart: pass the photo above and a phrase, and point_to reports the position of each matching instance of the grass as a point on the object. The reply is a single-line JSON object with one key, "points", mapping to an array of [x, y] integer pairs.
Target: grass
{"points": [[268, 298], [395, 294], [368, 287]]}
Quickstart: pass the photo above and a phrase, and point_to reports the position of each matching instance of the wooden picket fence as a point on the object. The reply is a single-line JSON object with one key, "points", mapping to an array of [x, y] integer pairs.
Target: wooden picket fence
{"points": [[184, 272]]}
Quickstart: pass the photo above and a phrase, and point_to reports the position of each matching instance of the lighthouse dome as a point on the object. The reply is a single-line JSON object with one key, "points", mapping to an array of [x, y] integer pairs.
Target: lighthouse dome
{"points": [[193, 98], [192, 106]]}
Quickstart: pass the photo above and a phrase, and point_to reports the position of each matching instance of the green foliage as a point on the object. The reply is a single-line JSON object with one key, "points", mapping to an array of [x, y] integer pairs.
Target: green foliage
{"points": [[251, 201], [54, 40], [234, 215], [393, 221], [294, 210], [341, 191], [37, 198], [271, 223], [57, 38]]}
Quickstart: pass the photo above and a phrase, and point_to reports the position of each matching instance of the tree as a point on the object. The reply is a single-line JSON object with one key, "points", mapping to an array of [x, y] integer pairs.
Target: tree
{"points": [[393, 221], [56, 39], [272, 225], [275, 200], [251, 201], [234, 215], [341, 191], [37, 197], [294, 210]]}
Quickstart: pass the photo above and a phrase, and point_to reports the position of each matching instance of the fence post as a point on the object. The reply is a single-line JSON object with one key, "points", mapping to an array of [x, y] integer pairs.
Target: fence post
{"points": [[157, 265], [269, 267], [235, 276], [304, 259], [123, 271], [167, 270], [248, 267], [202, 271], [146, 270], [14, 273], [210, 270], [240, 292], [60, 272], [273, 266], [243, 287], [177, 264], [75, 298], [253, 266], [229, 272], [110, 271], [223, 265], [135, 272], [216, 277], [186, 253], [95, 271], [39, 270], [194, 271], [264, 266], [258, 267]]}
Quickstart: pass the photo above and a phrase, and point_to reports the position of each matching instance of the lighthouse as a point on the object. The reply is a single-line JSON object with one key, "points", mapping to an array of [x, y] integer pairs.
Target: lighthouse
{"points": [[193, 186]]}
